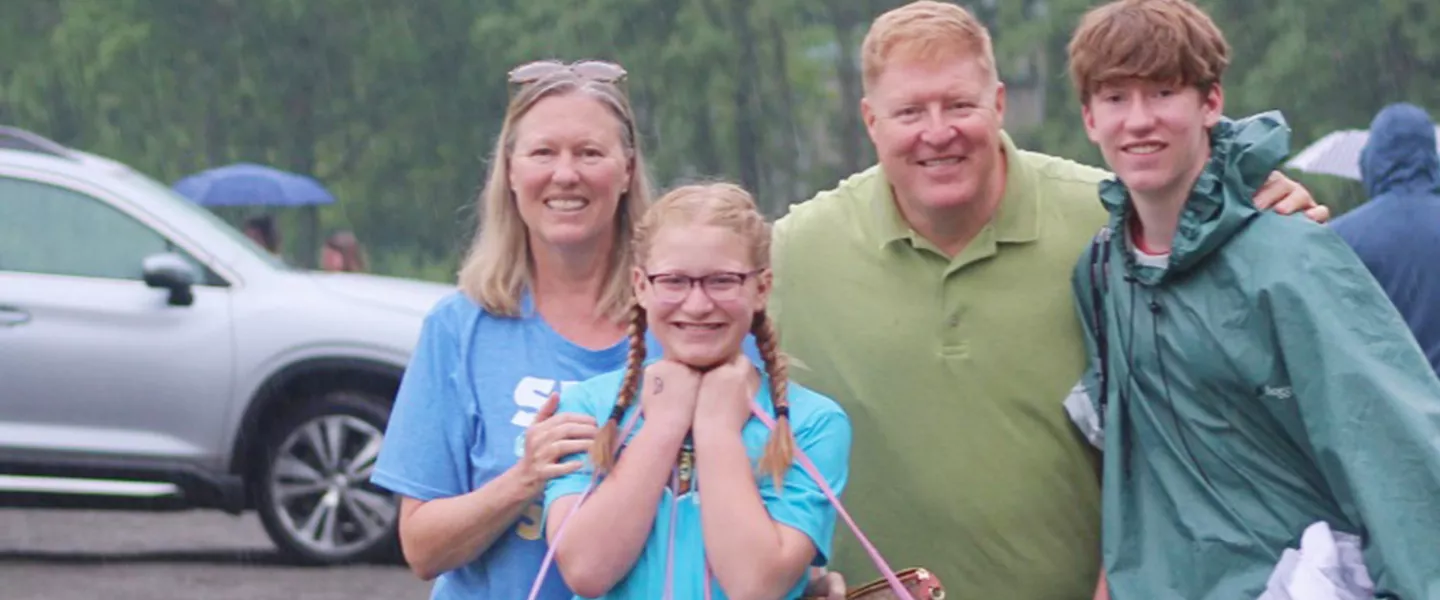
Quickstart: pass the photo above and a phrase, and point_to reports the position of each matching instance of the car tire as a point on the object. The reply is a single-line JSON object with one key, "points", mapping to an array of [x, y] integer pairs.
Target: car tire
{"points": [[312, 485]]}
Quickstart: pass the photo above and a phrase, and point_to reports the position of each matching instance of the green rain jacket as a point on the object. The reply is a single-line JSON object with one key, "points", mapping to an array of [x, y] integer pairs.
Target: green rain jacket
{"points": [[1257, 384]]}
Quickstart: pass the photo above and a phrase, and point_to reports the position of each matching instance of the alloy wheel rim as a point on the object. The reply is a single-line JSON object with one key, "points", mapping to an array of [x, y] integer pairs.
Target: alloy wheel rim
{"points": [[320, 486]]}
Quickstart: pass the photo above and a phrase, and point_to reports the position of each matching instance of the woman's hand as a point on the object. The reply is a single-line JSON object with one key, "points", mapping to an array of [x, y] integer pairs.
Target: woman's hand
{"points": [[550, 439], [443, 534], [725, 394], [668, 394]]}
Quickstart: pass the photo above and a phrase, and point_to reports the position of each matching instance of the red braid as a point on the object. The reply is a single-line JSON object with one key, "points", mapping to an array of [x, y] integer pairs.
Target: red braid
{"points": [[780, 448], [602, 454]]}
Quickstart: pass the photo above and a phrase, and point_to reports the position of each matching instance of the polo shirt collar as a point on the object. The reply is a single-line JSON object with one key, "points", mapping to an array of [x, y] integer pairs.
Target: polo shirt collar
{"points": [[1017, 220], [890, 224]]}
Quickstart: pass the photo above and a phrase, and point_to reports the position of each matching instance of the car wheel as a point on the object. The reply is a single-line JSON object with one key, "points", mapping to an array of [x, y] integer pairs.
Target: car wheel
{"points": [[313, 489]]}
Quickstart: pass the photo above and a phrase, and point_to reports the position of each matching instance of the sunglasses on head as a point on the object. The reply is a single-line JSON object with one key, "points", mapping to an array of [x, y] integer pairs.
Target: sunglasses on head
{"points": [[596, 70]]}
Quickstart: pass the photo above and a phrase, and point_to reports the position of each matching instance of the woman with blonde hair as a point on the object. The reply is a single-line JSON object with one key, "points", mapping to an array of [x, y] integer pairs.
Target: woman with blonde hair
{"points": [[682, 505], [473, 437]]}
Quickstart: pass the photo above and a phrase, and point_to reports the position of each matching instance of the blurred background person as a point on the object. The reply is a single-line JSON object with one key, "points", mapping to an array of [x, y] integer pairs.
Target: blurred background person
{"points": [[342, 252], [1397, 232], [262, 230]]}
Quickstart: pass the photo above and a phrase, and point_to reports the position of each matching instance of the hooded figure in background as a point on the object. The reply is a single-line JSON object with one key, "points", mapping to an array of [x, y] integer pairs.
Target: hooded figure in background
{"points": [[1397, 233]]}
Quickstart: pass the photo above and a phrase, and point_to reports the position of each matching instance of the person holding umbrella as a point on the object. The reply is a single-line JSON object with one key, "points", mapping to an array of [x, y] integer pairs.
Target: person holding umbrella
{"points": [[262, 231], [250, 184]]}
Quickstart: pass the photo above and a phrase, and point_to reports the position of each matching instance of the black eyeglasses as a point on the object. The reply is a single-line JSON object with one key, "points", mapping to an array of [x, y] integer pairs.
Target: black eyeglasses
{"points": [[720, 287], [596, 70]]}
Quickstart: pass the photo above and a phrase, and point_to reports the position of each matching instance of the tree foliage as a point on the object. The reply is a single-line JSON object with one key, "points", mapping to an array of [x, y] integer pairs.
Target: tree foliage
{"points": [[395, 105]]}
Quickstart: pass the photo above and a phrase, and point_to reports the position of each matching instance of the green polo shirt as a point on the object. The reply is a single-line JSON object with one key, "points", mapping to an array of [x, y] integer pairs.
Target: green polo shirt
{"points": [[953, 372]]}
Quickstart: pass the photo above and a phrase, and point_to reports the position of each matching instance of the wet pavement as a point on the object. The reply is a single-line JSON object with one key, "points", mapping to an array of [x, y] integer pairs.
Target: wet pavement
{"points": [[195, 555]]}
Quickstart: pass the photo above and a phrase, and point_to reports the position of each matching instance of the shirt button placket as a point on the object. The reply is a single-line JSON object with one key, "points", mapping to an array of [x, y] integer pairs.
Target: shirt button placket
{"points": [[952, 344]]}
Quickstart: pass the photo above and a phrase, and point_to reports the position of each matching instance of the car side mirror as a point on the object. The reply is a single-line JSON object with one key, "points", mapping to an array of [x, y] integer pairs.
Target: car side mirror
{"points": [[169, 271]]}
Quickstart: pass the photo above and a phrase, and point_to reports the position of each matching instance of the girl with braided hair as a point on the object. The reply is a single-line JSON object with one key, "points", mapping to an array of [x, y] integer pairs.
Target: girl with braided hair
{"points": [[687, 470]]}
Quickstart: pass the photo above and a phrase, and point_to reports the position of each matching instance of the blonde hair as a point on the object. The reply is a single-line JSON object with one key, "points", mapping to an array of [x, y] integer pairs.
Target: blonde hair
{"points": [[1170, 41], [729, 206], [925, 30], [498, 268]]}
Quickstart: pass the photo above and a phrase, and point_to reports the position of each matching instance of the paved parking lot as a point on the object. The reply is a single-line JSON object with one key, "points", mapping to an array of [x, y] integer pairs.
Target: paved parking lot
{"points": [[84, 555]]}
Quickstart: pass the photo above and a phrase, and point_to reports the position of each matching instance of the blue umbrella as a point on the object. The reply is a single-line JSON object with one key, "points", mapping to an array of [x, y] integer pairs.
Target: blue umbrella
{"points": [[247, 184]]}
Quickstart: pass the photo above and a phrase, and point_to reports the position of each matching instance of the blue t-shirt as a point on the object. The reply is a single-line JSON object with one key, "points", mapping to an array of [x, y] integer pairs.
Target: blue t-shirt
{"points": [[822, 431], [473, 384]]}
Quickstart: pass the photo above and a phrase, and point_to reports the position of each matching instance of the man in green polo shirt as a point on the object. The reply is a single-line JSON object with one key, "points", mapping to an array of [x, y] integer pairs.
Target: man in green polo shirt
{"points": [[930, 296]]}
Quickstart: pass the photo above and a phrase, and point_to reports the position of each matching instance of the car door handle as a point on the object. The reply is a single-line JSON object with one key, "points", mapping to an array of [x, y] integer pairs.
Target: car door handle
{"points": [[11, 316]]}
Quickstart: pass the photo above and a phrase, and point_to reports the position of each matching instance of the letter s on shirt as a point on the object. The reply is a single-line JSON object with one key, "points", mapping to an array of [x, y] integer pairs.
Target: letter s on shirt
{"points": [[528, 527]]}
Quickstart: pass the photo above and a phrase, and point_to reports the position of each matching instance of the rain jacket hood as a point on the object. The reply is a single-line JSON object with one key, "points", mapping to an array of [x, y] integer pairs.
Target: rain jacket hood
{"points": [[1397, 232], [1400, 155], [1257, 384]]}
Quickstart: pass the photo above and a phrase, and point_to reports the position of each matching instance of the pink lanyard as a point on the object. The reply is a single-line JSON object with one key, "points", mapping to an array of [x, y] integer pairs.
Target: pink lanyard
{"points": [[810, 469], [805, 463], [560, 533], [670, 542]]}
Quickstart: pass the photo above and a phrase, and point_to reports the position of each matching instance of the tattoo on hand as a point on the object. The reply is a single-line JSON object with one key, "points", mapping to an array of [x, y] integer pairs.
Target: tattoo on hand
{"points": [[659, 384]]}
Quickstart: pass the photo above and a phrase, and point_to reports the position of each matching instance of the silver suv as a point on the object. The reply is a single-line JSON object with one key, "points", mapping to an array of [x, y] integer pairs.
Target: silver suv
{"points": [[153, 358]]}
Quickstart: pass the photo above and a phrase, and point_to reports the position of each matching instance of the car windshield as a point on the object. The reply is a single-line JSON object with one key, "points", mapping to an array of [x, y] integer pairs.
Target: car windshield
{"points": [[221, 224]]}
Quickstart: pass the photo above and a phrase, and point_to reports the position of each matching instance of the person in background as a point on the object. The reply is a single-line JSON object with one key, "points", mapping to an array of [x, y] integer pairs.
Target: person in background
{"points": [[656, 525], [342, 253], [1265, 417], [543, 300], [1397, 233], [262, 230], [929, 295]]}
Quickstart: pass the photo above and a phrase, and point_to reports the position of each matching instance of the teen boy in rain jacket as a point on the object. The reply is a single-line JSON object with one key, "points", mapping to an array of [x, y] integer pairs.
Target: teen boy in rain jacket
{"points": [[1249, 378], [1229, 427], [1397, 233]]}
